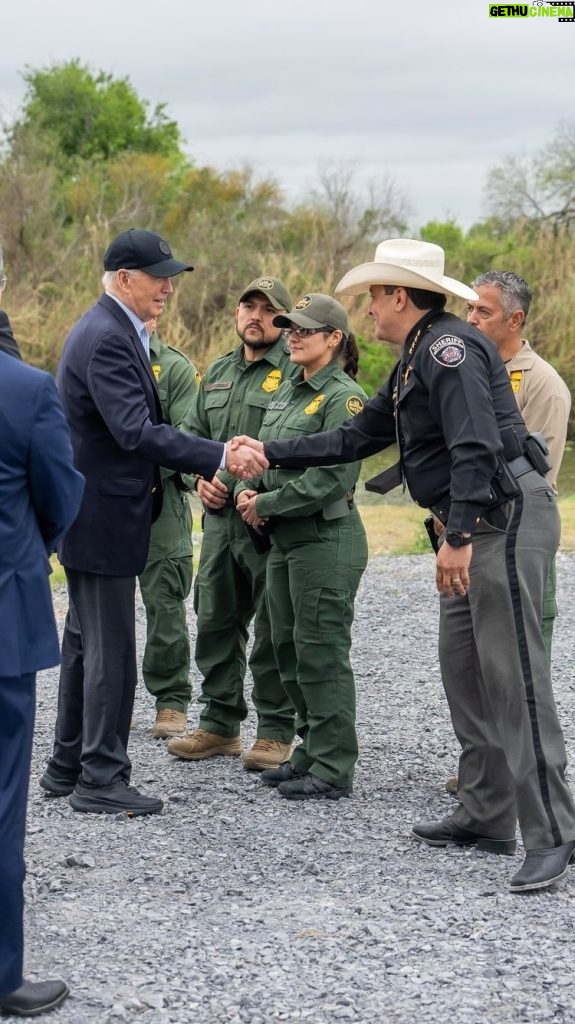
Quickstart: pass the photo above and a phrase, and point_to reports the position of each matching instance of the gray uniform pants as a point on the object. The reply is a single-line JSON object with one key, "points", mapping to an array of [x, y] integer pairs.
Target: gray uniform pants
{"points": [[497, 681]]}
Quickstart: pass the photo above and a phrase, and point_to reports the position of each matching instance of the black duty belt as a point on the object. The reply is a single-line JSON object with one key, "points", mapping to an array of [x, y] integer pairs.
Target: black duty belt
{"points": [[521, 465]]}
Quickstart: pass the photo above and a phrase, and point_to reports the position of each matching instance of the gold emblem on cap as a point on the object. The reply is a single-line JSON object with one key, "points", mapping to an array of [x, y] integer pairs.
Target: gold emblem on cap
{"points": [[272, 381], [354, 405], [314, 405], [265, 284], [303, 303]]}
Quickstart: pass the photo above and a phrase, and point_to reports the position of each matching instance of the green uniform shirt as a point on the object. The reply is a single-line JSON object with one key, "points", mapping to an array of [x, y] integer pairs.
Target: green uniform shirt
{"points": [[301, 406], [234, 395], [177, 380]]}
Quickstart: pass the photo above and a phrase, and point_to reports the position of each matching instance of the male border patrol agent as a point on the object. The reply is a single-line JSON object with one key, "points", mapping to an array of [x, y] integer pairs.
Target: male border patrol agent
{"points": [[467, 455], [167, 578], [230, 585]]}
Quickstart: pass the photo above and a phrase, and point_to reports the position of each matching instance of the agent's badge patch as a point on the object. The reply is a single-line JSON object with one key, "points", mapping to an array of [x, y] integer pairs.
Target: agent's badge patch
{"points": [[303, 303], [448, 350], [265, 284], [272, 381], [164, 247], [314, 405], [354, 405], [156, 370], [516, 376]]}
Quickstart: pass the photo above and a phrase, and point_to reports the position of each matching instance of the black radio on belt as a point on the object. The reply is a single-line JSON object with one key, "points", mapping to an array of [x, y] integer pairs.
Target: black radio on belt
{"points": [[537, 452]]}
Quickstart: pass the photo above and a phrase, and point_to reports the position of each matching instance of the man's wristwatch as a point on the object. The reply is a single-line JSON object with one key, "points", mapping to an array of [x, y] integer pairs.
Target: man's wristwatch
{"points": [[455, 539]]}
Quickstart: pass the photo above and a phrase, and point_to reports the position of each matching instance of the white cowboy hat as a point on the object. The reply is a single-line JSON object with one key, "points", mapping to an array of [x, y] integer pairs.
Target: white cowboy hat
{"points": [[406, 262]]}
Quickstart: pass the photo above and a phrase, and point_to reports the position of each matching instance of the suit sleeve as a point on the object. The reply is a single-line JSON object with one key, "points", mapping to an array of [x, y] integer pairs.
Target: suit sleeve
{"points": [[117, 391], [372, 430], [7, 340], [56, 488]]}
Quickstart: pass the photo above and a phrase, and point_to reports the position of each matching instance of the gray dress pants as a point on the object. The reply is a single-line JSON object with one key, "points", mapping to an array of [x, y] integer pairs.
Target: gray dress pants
{"points": [[497, 680]]}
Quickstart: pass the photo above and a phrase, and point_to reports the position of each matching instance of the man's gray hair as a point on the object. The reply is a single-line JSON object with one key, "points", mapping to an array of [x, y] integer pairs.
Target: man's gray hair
{"points": [[109, 277], [515, 292]]}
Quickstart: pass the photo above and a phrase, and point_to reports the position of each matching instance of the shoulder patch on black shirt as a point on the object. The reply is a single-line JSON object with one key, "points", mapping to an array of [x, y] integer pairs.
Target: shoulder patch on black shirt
{"points": [[448, 350]]}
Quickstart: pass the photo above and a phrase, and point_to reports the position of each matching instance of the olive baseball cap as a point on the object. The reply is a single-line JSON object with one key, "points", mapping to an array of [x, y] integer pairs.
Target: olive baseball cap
{"points": [[136, 249], [316, 310], [273, 289]]}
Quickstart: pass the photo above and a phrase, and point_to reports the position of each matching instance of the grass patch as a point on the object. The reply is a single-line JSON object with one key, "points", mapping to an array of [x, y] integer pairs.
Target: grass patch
{"points": [[58, 577]]}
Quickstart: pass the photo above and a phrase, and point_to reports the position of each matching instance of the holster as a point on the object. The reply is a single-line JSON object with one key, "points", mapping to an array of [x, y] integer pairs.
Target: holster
{"points": [[260, 537]]}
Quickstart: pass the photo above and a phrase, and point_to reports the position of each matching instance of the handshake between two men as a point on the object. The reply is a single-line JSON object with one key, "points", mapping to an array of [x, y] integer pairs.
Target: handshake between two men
{"points": [[244, 459]]}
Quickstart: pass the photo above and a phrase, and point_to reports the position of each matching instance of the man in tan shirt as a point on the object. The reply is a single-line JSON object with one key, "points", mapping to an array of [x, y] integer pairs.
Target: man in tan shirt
{"points": [[543, 397]]}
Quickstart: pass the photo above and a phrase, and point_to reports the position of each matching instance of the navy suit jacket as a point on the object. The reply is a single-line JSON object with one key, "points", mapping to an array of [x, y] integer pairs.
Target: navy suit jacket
{"points": [[40, 493], [112, 404], [7, 339]]}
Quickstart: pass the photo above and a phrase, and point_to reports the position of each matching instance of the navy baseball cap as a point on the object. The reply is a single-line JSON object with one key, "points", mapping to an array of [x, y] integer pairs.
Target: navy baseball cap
{"points": [[136, 249]]}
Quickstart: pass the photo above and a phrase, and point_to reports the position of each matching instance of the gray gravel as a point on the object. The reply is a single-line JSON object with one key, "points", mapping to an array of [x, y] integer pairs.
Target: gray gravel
{"points": [[236, 906]]}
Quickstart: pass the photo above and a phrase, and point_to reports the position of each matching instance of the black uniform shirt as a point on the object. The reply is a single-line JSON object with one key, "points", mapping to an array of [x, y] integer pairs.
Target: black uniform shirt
{"points": [[455, 407]]}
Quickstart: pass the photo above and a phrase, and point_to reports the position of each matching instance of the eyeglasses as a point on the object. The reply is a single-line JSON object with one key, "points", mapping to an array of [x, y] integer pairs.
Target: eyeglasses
{"points": [[306, 332]]}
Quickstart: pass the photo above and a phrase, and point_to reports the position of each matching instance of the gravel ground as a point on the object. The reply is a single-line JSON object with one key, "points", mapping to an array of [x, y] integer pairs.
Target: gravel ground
{"points": [[234, 905]]}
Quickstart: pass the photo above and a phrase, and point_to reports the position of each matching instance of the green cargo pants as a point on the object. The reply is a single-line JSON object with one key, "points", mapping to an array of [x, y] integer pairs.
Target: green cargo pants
{"points": [[165, 585], [313, 572], [229, 592]]}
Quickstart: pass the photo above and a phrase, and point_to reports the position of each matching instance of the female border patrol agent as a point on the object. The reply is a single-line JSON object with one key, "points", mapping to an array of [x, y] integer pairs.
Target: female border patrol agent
{"points": [[318, 553]]}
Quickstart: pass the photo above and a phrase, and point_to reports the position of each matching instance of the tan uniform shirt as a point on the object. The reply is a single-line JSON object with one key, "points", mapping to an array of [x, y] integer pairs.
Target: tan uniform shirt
{"points": [[544, 401]]}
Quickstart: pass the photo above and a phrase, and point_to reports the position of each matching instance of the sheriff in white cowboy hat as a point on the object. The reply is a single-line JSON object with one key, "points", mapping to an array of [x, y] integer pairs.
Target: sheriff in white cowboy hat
{"points": [[408, 263]]}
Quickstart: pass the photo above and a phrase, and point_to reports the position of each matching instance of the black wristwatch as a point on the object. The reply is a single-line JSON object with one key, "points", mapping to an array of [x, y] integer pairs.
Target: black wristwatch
{"points": [[455, 539]]}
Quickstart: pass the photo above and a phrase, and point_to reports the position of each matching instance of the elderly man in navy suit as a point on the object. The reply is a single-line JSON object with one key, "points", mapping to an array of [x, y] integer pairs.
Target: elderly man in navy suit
{"points": [[40, 494], [112, 404]]}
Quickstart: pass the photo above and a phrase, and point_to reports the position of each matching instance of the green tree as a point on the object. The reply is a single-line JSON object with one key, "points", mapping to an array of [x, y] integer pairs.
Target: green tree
{"points": [[93, 116]]}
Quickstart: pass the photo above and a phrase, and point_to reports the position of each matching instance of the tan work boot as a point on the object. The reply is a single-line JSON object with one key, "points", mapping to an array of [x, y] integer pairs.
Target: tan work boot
{"points": [[169, 722], [452, 784], [200, 744], [266, 754]]}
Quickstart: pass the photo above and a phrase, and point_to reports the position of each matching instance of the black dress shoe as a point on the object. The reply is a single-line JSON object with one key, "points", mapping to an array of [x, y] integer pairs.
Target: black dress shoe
{"points": [[113, 800], [543, 867], [310, 787], [59, 781], [34, 997], [285, 772], [440, 833]]}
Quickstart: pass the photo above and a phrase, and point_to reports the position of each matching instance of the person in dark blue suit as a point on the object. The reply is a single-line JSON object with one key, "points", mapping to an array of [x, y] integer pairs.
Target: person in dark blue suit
{"points": [[40, 494], [113, 407], [7, 340]]}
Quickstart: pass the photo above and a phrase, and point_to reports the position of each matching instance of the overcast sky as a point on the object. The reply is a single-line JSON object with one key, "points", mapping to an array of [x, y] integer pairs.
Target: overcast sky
{"points": [[429, 94]]}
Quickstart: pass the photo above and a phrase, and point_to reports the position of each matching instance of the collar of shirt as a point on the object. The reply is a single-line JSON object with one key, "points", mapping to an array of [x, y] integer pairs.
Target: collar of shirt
{"points": [[137, 323]]}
